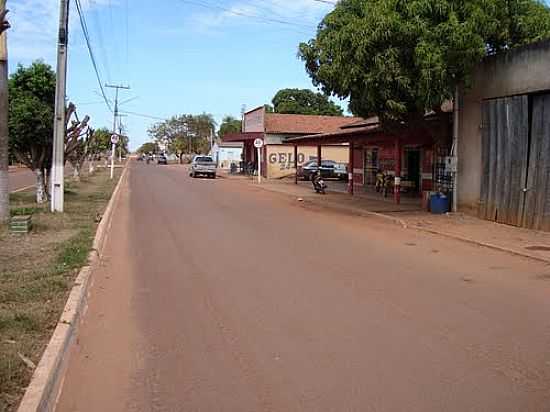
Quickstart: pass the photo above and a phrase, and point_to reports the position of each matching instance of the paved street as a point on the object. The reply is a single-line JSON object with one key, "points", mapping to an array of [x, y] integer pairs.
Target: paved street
{"points": [[217, 296], [24, 178]]}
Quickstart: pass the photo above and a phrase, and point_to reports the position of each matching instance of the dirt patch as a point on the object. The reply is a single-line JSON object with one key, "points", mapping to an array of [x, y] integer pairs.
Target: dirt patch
{"points": [[37, 272]]}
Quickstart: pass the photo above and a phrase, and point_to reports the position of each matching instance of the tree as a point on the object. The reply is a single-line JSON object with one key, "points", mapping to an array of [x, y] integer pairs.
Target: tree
{"points": [[229, 125], [184, 134], [304, 101], [77, 140], [31, 115], [399, 59], [149, 147]]}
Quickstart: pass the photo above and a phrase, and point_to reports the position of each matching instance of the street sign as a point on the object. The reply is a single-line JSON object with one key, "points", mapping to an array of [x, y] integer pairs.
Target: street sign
{"points": [[258, 143], [114, 138]]}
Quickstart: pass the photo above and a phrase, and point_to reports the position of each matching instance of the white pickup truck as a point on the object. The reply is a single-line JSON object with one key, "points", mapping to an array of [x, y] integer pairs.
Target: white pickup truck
{"points": [[203, 165]]}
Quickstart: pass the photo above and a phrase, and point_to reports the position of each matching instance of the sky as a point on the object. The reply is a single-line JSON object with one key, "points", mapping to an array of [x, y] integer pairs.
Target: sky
{"points": [[178, 56]]}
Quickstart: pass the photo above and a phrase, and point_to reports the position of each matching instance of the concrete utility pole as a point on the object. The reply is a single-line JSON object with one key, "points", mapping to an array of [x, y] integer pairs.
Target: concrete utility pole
{"points": [[115, 115], [4, 154], [60, 125]]}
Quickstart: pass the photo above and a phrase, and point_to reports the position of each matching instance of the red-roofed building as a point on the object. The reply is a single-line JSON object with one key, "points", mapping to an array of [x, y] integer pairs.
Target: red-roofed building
{"points": [[275, 128]]}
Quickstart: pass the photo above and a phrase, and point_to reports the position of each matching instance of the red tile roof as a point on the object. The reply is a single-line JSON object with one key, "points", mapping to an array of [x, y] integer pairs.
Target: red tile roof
{"points": [[305, 124]]}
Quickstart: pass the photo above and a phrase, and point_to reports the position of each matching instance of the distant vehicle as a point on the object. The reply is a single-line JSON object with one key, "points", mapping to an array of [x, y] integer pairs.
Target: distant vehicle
{"points": [[329, 170], [203, 165], [161, 160], [140, 158]]}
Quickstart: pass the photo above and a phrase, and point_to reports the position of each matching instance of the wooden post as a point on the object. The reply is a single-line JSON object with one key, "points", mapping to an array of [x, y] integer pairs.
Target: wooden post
{"points": [[351, 167], [397, 181], [295, 164], [4, 155], [319, 157]]}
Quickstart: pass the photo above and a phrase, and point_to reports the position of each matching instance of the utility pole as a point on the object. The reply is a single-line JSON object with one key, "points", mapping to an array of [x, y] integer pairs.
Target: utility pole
{"points": [[4, 154], [60, 125], [115, 115]]}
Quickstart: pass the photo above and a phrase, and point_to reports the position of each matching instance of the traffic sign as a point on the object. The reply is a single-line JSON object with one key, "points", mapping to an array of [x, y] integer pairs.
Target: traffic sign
{"points": [[258, 143], [114, 138]]}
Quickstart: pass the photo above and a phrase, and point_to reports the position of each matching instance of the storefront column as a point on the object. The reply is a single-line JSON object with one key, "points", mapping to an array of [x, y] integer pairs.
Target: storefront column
{"points": [[319, 160], [351, 166], [397, 181], [295, 164]]}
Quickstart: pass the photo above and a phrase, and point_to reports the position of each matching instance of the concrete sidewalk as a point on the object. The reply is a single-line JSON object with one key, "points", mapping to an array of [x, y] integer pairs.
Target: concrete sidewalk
{"points": [[518, 241]]}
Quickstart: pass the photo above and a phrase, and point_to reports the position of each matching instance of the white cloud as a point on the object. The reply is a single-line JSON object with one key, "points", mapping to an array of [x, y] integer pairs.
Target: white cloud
{"points": [[34, 27]]}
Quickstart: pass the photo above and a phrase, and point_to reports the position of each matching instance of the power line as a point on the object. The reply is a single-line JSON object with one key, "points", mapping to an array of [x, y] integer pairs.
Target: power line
{"points": [[90, 51], [242, 14], [99, 32], [147, 116]]}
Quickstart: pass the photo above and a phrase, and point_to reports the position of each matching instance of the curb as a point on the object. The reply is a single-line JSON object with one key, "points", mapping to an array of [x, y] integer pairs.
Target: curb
{"points": [[482, 244], [405, 225], [357, 212], [47, 380]]}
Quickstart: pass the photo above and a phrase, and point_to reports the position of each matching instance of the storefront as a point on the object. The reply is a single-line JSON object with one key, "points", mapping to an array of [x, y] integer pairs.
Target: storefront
{"points": [[410, 161], [280, 159]]}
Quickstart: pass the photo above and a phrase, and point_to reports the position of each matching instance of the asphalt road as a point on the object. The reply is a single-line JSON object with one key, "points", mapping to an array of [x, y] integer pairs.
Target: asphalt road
{"points": [[24, 178], [216, 296]]}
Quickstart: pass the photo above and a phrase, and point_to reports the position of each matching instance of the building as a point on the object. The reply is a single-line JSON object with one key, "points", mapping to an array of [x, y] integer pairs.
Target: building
{"points": [[227, 153], [414, 157], [504, 139], [279, 158]]}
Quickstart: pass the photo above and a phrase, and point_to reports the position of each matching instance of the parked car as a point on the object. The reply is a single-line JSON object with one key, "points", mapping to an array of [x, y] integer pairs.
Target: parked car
{"points": [[203, 165], [161, 160], [329, 170]]}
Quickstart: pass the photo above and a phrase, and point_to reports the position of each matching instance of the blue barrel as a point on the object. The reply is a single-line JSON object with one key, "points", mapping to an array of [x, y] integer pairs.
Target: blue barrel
{"points": [[439, 203]]}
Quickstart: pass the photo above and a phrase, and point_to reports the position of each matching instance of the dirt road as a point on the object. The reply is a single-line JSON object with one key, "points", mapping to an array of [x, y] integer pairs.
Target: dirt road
{"points": [[215, 296]]}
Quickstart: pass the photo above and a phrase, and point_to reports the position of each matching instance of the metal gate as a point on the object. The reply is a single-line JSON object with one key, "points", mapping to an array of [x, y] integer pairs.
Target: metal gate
{"points": [[515, 187]]}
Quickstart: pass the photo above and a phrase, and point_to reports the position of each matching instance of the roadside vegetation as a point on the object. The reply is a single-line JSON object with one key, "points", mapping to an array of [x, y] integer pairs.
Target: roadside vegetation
{"points": [[37, 272]]}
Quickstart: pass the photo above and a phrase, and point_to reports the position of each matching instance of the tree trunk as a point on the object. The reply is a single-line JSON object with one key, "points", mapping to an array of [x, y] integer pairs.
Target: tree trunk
{"points": [[41, 195], [180, 158], [76, 172], [91, 168]]}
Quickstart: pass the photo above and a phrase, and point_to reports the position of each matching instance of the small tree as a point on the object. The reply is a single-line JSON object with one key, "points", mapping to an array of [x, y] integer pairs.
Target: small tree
{"points": [[304, 101], [31, 115]]}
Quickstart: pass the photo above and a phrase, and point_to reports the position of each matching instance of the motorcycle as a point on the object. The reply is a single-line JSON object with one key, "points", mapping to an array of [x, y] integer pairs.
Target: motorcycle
{"points": [[319, 184]]}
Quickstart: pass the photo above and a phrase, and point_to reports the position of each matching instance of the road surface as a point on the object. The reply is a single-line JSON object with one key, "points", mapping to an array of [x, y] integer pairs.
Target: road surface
{"points": [[24, 178], [216, 296]]}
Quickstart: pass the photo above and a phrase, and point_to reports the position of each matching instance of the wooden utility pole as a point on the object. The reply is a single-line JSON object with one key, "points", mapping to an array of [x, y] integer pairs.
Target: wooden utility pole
{"points": [[60, 126], [4, 155]]}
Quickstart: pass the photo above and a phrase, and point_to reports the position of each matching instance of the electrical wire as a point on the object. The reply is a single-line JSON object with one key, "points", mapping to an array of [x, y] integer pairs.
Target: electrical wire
{"points": [[147, 116], [242, 14], [91, 52], [100, 38]]}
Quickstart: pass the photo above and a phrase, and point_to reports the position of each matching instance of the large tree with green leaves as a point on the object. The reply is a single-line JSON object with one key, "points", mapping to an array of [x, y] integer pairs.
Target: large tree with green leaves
{"points": [[228, 125], [400, 58], [31, 113], [184, 134], [304, 101]]}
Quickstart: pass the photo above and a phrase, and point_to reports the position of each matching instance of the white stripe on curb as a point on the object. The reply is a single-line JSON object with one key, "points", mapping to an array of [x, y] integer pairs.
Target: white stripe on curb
{"points": [[44, 389]]}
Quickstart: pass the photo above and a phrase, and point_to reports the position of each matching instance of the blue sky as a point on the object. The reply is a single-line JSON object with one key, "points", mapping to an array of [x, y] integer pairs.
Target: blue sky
{"points": [[178, 56]]}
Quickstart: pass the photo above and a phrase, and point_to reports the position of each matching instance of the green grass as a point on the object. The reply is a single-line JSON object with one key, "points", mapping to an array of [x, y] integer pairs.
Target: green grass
{"points": [[37, 272]]}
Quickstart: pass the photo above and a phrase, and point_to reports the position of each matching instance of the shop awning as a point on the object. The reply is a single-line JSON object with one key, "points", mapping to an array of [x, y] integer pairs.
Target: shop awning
{"points": [[242, 137]]}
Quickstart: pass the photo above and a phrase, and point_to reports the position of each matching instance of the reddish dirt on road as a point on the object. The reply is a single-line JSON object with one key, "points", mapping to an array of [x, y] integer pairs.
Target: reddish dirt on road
{"points": [[215, 296]]}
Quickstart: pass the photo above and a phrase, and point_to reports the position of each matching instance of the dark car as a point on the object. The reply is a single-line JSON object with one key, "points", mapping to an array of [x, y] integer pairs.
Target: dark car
{"points": [[161, 160], [329, 170]]}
